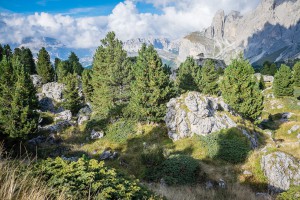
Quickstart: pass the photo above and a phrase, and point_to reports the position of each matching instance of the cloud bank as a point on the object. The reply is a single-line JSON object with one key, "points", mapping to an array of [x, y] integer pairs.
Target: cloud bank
{"points": [[176, 18]]}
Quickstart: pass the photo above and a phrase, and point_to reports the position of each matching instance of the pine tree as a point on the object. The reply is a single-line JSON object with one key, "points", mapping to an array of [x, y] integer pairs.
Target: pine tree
{"points": [[76, 67], [151, 89], [62, 70], [110, 78], [296, 74], [7, 51], [1, 52], [72, 100], [44, 66], [25, 56], [240, 89], [209, 78], [18, 118], [283, 82], [269, 68], [188, 76], [87, 87], [261, 83]]}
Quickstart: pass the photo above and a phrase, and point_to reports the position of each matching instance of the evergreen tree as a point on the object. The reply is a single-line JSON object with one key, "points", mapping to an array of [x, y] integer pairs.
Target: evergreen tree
{"points": [[7, 51], [62, 70], [283, 82], [110, 78], [261, 83], [1, 52], [209, 78], [18, 118], [76, 67], [44, 66], [240, 89], [25, 56], [269, 68], [296, 74], [72, 100], [56, 62], [152, 88], [188, 76], [87, 87]]}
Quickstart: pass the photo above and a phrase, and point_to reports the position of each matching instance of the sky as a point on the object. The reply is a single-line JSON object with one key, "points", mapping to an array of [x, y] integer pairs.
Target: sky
{"points": [[83, 23]]}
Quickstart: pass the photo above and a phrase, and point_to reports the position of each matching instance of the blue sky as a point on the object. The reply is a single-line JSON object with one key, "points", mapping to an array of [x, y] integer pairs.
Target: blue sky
{"points": [[76, 8]]}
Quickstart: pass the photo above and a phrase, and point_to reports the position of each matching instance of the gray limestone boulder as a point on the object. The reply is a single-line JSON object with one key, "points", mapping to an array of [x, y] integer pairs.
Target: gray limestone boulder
{"points": [[53, 91], [36, 80], [84, 115], [193, 113], [281, 170], [64, 115], [97, 134]]}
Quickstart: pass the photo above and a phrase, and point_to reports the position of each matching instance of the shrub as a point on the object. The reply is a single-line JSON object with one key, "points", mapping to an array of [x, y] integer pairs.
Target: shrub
{"points": [[121, 130], [179, 170], [152, 156], [85, 179], [229, 145], [292, 193]]}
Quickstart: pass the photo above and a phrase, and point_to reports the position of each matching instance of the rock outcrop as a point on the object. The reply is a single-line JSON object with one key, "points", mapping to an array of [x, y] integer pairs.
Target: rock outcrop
{"points": [[269, 32], [64, 115], [36, 80], [84, 115], [53, 91], [193, 113], [281, 170]]}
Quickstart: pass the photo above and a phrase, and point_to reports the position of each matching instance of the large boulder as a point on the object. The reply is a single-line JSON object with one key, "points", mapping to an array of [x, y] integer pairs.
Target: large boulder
{"points": [[84, 115], [194, 113], [64, 115], [281, 170], [53, 91], [36, 80]]}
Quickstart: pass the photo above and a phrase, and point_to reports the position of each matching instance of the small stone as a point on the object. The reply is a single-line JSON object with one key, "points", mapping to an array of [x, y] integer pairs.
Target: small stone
{"points": [[247, 173], [222, 184], [208, 185], [97, 134]]}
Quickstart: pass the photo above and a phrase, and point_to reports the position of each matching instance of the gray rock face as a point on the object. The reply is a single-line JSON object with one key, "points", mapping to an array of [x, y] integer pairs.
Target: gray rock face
{"points": [[282, 171], [53, 91], [108, 155], [84, 115], [193, 113], [271, 30], [65, 115], [293, 129], [57, 127], [36, 80]]}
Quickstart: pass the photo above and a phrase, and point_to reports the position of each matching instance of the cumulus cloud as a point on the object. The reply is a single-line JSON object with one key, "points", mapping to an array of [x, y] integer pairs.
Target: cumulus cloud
{"points": [[176, 18]]}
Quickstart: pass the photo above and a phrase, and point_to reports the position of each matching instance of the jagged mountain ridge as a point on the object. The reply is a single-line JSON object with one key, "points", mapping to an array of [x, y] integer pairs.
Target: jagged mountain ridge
{"points": [[270, 32]]}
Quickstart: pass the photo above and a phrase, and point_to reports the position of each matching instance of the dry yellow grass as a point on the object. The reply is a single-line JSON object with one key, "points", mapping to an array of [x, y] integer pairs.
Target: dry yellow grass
{"points": [[17, 185]]}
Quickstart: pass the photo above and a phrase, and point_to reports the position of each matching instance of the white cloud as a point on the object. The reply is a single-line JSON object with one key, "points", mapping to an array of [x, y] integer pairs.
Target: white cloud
{"points": [[177, 18]]}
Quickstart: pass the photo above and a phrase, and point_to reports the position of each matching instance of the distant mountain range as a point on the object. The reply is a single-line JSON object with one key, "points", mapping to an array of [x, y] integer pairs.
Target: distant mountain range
{"points": [[270, 32]]}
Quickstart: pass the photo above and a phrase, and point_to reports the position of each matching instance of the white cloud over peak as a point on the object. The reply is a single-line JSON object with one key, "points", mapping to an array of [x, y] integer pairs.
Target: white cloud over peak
{"points": [[176, 18]]}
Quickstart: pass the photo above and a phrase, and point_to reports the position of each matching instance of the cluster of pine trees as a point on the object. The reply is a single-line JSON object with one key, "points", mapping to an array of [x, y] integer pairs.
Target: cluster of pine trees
{"points": [[285, 80], [18, 102]]}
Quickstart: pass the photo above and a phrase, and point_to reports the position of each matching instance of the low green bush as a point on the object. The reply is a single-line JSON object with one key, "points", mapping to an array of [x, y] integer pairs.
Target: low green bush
{"points": [[120, 130], [152, 156], [292, 193], [229, 145], [176, 170], [89, 179]]}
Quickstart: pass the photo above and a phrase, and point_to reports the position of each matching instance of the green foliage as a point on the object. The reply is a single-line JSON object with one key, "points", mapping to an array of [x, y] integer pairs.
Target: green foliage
{"points": [[188, 76], [292, 193], [18, 101], [89, 179], [1, 52], [283, 82], [44, 66], [179, 170], [120, 130], [269, 68], [7, 52], [110, 78], [25, 56], [151, 89], [296, 74], [72, 99], [63, 68], [209, 78], [261, 83], [152, 156], [229, 145], [87, 87], [240, 89], [75, 66]]}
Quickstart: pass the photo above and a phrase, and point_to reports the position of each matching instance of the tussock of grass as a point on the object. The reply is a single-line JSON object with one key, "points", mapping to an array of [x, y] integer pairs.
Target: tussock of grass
{"points": [[17, 182]]}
